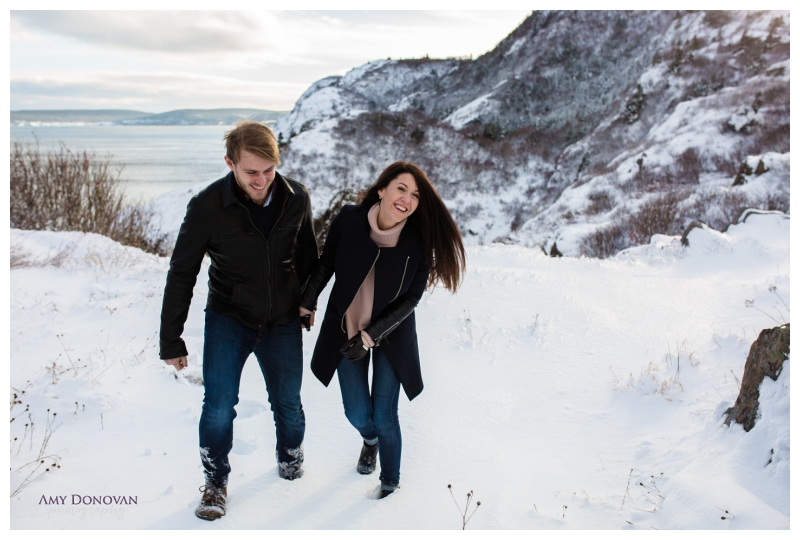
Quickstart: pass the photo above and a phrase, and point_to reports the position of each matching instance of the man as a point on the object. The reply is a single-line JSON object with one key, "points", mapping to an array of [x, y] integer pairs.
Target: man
{"points": [[256, 226]]}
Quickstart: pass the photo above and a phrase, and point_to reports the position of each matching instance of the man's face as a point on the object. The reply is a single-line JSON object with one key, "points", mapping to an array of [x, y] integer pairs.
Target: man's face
{"points": [[254, 174]]}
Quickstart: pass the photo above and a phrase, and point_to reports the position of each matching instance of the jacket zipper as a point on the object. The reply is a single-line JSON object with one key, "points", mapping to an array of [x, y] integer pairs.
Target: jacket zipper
{"points": [[266, 240], [405, 268], [270, 315], [402, 279], [359, 288], [378, 340]]}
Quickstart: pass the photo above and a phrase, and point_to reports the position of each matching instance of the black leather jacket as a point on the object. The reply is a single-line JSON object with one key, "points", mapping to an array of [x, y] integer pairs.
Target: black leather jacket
{"points": [[253, 279]]}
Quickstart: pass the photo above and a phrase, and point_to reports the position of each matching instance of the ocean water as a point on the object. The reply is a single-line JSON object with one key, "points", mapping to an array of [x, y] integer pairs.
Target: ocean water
{"points": [[154, 159]]}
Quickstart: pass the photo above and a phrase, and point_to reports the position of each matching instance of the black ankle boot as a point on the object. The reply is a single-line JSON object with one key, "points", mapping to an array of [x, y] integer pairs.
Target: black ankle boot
{"points": [[386, 490], [366, 461]]}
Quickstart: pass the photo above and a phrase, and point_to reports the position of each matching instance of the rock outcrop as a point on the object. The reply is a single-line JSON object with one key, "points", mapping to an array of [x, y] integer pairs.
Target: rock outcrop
{"points": [[766, 359]]}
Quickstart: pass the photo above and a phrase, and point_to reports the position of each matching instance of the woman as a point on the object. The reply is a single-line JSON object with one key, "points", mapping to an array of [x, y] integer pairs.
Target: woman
{"points": [[385, 251]]}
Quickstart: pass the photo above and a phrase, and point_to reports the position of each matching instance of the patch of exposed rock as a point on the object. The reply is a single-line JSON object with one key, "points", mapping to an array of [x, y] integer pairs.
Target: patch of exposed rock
{"points": [[766, 359]]}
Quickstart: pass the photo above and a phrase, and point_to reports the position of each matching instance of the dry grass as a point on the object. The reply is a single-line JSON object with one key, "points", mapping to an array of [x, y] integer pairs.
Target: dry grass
{"points": [[61, 190]]}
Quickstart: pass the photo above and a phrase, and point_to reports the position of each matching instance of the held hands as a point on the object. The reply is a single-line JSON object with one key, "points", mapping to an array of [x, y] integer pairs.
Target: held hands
{"points": [[178, 363], [355, 348], [306, 318]]}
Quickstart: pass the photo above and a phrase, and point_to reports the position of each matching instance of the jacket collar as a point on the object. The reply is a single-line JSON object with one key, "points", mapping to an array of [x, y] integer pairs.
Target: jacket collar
{"points": [[229, 182]]}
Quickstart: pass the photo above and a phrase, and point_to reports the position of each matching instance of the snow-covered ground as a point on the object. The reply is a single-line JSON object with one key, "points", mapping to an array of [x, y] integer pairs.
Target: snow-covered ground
{"points": [[568, 393]]}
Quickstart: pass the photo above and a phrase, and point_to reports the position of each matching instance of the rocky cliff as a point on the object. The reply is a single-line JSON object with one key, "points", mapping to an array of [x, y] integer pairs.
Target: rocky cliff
{"points": [[590, 129]]}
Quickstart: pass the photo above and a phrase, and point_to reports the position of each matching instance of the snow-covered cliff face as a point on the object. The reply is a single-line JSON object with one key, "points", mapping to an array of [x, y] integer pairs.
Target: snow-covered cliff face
{"points": [[589, 130]]}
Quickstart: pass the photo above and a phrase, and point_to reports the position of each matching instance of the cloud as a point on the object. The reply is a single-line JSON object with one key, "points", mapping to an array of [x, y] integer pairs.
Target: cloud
{"points": [[163, 31], [155, 92], [162, 60]]}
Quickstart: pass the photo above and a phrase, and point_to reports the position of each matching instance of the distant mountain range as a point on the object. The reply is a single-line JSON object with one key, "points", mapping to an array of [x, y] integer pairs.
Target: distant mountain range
{"points": [[182, 117]]}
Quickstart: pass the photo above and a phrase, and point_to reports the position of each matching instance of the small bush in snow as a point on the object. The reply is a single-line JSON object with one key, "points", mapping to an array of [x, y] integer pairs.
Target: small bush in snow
{"points": [[730, 205], [725, 164], [323, 222], [778, 200], [689, 166], [719, 208], [601, 201], [657, 216], [61, 190], [604, 242], [34, 467], [417, 135]]}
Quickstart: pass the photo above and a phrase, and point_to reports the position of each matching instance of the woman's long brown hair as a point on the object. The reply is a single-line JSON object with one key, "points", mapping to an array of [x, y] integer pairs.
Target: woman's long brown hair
{"points": [[442, 243]]}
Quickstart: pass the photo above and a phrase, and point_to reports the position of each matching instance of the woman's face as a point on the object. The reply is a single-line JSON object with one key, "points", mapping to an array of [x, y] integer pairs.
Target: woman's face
{"points": [[399, 199]]}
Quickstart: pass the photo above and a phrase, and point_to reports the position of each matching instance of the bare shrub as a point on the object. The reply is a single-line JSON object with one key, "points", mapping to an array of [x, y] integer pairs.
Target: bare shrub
{"points": [[657, 216], [568, 217], [719, 208], [322, 223], [731, 205], [775, 201], [689, 166], [61, 190], [601, 201], [520, 209], [19, 258], [725, 164], [653, 179], [22, 259], [134, 227], [604, 242], [772, 137]]}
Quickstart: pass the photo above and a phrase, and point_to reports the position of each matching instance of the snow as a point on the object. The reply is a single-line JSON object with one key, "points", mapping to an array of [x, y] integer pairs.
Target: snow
{"points": [[472, 110], [691, 124], [322, 100], [567, 393], [515, 46], [743, 118], [357, 73]]}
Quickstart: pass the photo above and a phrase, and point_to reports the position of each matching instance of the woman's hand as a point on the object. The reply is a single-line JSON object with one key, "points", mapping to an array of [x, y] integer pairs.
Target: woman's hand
{"points": [[354, 349]]}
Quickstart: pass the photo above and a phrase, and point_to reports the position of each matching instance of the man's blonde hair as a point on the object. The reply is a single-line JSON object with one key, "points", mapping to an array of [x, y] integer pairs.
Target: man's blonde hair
{"points": [[254, 137]]}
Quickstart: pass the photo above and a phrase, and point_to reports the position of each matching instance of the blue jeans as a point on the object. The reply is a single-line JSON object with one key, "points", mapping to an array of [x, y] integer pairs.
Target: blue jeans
{"points": [[374, 414], [228, 343]]}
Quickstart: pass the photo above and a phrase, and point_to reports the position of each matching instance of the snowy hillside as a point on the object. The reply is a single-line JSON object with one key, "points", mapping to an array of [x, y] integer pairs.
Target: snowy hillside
{"points": [[568, 393], [590, 130]]}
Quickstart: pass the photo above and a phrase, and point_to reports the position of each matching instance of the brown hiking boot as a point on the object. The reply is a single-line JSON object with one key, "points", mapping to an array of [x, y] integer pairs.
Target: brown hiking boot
{"points": [[212, 505]]}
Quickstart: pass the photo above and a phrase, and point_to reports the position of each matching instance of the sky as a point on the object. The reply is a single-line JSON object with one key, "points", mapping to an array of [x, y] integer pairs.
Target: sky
{"points": [[157, 61]]}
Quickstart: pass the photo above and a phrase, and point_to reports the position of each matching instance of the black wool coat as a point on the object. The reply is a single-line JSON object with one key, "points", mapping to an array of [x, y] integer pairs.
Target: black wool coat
{"points": [[401, 274]]}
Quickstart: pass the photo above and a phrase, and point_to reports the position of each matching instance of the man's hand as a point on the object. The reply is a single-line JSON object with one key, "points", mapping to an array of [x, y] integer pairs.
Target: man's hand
{"points": [[304, 312], [178, 363]]}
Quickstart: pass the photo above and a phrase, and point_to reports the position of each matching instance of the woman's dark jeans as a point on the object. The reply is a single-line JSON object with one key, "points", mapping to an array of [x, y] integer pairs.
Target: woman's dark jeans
{"points": [[227, 346], [374, 414]]}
